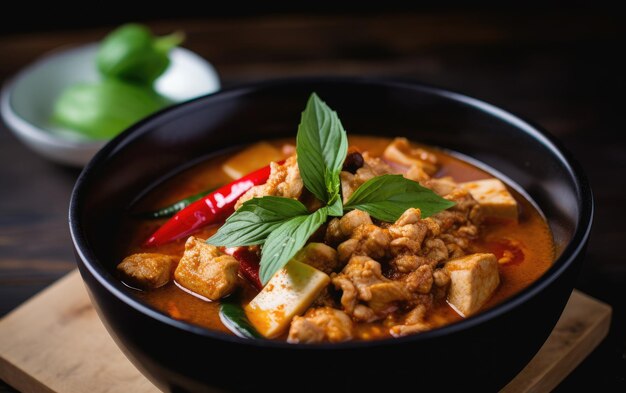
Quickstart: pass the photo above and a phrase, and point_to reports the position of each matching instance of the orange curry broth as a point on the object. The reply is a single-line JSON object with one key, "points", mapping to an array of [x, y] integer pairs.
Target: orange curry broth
{"points": [[528, 244]]}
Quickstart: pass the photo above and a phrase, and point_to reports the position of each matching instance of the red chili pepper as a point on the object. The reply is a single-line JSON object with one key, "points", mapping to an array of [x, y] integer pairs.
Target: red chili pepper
{"points": [[212, 208], [248, 264]]}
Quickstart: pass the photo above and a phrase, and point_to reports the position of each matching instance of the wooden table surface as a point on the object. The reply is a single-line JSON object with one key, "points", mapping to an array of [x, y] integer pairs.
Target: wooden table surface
{"points": [[562, 70]]}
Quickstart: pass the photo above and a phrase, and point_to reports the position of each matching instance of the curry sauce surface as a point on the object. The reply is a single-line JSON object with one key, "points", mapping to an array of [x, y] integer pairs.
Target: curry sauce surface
{"points": [[528, 243]]}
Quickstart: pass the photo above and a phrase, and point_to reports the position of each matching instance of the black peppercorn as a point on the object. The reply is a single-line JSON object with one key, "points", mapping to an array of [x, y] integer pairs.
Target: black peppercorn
{"points": [[354, 160]]}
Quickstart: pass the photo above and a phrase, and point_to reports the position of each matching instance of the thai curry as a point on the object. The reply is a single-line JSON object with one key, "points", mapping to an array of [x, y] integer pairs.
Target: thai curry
{"points": [[329, 238]]}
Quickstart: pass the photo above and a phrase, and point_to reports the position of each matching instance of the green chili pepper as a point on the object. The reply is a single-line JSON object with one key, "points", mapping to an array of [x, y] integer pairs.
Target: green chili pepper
{"points": [[132, 53], [102, 110], [170, 210]]}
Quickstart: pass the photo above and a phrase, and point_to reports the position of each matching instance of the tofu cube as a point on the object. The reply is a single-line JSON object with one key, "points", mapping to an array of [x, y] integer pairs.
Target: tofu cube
{"points": [[493, 197], [147, 270], [250, 159], [289, 293], [473, 279]]}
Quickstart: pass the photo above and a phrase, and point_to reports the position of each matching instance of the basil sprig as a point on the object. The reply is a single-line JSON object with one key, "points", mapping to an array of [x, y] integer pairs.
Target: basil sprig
{"points": [[256, 219], [284, 225], [286, 240], [322, 145], [386, 197]]}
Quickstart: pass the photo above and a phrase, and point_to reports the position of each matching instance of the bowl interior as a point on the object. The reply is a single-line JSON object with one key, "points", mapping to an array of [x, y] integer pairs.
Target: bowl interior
{"points": [[183, 135]]}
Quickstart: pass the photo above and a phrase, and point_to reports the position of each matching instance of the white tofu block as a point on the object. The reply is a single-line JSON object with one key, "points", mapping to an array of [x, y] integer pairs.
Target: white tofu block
{"points": [[289, 293], [250, 159], [493, 197], [473, 279]]}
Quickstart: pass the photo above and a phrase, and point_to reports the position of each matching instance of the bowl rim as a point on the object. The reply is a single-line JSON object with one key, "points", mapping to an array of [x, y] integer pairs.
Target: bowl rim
{"points": [[584, 199]]}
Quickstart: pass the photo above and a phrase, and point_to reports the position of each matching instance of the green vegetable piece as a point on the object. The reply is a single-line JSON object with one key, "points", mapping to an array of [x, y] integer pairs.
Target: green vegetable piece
{"points": [[234, 318], [286, 240], [255, 220], [132, 53], [321, 145], [103, 110], [170, 210], [386, 197]]}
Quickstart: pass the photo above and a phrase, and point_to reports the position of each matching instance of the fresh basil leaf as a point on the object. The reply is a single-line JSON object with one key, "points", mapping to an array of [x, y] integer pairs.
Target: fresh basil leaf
{"points": [[234, 318], [255, 219], [321, 145], [335, 208], [386, 197], [286, 240]]}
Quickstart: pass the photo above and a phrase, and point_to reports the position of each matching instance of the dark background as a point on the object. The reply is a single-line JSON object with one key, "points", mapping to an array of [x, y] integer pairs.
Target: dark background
{"points": [[560, 66]]}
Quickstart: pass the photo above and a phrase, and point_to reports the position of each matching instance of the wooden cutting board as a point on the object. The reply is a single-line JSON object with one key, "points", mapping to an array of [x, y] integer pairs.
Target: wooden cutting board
{"points": [[55, 342]]}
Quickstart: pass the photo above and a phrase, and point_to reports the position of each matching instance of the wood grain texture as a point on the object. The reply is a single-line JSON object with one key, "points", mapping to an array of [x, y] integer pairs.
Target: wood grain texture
{"points": [[563, 69], [583, 325], [58, 344], [56, 334]]}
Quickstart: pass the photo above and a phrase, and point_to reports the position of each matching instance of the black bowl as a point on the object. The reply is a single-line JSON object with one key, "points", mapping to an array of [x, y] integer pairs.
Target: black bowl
{"points": [[484, 351]]}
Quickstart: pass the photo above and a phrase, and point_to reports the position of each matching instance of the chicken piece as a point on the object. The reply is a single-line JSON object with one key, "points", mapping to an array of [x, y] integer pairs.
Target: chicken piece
{"points": [[420, 280], [340, 229], [369, 240], [441, 186], [401, 152], [473, 279], [372, 167], [456, 245], [441, 277], [367, 295], [385, 295], [408, 232], [414, 243], [406, 263], [320, 256], [413, 323], [284, 181], [352, 220], [206, 271], [458, 224], [493, 197], [416, 173], [466, 204], [251, 159], [147, 270], [365, 237], [410, 216], [450, 220], [288, 293], [363, 272], [321, 324]]}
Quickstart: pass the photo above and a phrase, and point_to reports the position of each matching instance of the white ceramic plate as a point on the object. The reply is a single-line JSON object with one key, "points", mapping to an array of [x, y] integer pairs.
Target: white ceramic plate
{"points": [[27, 100]]}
